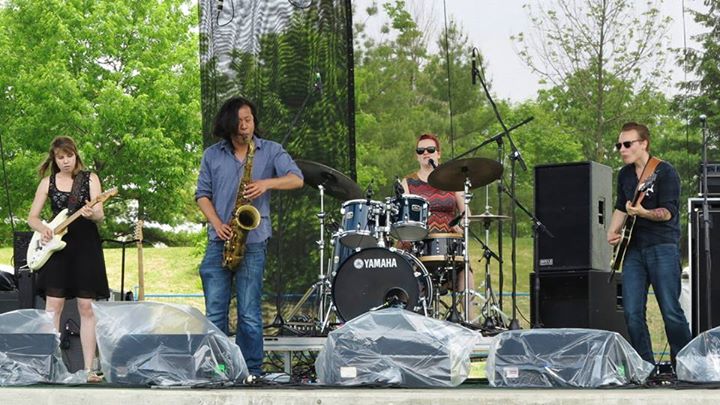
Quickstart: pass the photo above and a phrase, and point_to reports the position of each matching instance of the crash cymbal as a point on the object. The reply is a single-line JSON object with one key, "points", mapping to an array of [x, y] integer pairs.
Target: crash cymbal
{"points": [[336, 184], [450, 176], [486, 216]]}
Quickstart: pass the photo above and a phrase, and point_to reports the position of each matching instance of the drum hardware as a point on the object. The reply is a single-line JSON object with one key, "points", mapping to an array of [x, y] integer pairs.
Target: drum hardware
{"points": [[465, 174], [494, 319], [337, 185]]}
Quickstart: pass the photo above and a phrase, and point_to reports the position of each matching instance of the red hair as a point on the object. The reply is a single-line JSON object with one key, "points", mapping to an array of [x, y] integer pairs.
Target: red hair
{"points": [[432, 137]]}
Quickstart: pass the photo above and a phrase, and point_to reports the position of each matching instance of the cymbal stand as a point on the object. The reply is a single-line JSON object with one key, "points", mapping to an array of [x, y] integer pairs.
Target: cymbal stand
{"points": [[493, 316], [466, 249], [322, 286]]}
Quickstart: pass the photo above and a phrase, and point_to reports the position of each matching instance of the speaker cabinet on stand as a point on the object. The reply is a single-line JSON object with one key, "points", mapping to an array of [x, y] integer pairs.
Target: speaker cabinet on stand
{"points": [[701, 301]]}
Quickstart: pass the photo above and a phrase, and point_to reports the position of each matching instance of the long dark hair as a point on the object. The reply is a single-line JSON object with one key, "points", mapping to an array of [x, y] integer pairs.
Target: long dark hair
{"points": [[226, 122], [62, 144]]}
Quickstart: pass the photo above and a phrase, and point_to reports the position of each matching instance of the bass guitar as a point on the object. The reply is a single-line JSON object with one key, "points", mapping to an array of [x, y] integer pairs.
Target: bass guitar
{"points": [[39, 253], [621, 248]]}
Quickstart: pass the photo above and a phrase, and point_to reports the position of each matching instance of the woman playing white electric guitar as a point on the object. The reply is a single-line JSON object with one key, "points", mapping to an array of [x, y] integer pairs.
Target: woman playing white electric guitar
{"points": [[78, 269]]}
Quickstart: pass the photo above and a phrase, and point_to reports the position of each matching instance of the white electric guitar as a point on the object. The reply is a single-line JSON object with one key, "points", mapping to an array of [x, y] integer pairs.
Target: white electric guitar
{"points": [[38, 252]]}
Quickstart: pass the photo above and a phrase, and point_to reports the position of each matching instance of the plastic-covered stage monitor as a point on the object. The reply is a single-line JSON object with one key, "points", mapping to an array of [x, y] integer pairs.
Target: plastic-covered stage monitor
{"points": [[586, 358], [396, 347], [150, 343], [30, 350], [699, 360]]}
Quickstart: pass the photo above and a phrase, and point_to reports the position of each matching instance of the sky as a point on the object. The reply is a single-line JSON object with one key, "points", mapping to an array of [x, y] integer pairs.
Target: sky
{"points": [[490, 23]]}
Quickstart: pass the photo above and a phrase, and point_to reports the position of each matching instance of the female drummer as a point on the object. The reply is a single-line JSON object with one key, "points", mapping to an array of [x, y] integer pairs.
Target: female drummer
{"points": [[444, 205]]}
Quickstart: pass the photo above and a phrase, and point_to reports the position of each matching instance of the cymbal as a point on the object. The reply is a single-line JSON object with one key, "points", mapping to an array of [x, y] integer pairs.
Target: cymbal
{"points": [[486, 216], [336, 184], [451, 176]]}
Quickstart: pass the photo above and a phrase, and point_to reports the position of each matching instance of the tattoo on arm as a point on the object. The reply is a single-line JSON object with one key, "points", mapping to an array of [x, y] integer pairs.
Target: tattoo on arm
{"points": [[659, 214]]}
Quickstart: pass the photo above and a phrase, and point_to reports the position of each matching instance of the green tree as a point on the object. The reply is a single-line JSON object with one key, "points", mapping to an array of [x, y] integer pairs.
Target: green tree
{"points": [[122, 78], [703, 92], [599, 53]]}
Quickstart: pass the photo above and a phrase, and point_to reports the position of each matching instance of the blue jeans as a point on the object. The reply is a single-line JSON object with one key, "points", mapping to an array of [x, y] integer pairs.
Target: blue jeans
{"points": [[217, 285], [658, 266]]}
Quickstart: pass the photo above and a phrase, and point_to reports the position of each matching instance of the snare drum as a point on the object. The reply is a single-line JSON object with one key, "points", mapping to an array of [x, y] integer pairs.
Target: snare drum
{"points": [[371, 278], [410, 221], [361, 218], [434, 249]]}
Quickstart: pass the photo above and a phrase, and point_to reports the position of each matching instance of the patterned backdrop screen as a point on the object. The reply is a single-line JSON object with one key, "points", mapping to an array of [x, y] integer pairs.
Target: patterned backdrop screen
{"points": [[292, 59]]}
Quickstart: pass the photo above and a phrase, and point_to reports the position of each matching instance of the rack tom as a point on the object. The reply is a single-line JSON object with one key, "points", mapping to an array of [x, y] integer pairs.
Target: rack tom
{"points": [[409, 219]]}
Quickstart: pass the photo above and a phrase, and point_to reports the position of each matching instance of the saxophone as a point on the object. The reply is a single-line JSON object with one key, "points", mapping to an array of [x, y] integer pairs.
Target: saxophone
{"points": [[245, 218]]}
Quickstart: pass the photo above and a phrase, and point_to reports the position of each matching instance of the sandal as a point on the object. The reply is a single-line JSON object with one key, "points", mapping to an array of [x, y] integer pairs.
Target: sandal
{"points": [[94, 377]]}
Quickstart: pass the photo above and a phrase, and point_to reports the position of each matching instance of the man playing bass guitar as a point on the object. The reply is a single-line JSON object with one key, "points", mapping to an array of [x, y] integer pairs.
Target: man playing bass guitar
{"points": [[653, 252]]}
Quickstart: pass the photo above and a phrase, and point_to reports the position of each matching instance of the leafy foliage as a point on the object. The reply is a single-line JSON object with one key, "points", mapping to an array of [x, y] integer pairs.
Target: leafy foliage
{"points": [[121, 77]]}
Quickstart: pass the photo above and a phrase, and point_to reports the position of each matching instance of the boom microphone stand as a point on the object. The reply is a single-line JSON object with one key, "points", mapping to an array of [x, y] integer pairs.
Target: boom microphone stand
{"points": [[515, 156]]}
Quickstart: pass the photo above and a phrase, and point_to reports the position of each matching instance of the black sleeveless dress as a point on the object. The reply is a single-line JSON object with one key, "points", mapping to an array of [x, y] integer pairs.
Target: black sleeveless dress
{"points": [[79, 269]]}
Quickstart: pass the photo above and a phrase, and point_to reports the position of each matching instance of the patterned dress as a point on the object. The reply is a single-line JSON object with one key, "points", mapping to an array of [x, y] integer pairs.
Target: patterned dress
{"points": [[442, 204], [79, 269]]}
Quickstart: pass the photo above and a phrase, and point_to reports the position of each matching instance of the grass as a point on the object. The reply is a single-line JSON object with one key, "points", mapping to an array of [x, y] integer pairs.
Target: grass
{"points": [[174, 271]]}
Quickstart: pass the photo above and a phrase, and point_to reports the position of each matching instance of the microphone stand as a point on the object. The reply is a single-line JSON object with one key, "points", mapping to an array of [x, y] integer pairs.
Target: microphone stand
{"points": [[707, 223], [538, 227], [515, 156]]}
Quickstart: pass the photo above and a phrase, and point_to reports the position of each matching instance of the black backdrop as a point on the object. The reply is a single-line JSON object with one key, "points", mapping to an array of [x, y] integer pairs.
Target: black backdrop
{"points": [[271, 51]]}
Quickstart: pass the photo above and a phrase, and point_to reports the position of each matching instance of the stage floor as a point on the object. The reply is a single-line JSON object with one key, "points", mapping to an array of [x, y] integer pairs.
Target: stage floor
{"points": [[465, 394]]}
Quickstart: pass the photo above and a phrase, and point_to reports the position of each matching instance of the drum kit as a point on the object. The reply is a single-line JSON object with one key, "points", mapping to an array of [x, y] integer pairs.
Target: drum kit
{"points": [[383, 256]]}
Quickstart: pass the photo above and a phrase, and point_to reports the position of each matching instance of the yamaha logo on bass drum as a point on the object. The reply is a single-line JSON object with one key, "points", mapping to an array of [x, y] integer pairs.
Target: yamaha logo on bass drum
{"points": [[376, 263]]}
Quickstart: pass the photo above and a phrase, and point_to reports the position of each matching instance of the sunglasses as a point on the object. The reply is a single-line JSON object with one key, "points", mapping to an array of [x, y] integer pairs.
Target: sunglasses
{"points": [[626, 144], [429, 149]]}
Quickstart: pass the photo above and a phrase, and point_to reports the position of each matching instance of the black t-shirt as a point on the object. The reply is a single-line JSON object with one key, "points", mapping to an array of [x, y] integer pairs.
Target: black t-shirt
{"points": [[665, 193]]}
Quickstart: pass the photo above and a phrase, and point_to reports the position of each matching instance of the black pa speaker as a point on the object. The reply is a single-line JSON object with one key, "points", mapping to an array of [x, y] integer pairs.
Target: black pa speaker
{"points": [[170, 359], [563, 358], [21, 241], [704, 305], [27, 357], [580, 299], [574, 201]]}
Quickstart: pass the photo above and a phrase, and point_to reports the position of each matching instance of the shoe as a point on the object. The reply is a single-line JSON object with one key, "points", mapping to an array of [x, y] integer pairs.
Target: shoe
{"points": [[94, 377]]}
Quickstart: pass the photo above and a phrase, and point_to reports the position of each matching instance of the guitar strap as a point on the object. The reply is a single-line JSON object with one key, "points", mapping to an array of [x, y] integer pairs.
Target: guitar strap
{"points": [[74, 202], [648, 170]]}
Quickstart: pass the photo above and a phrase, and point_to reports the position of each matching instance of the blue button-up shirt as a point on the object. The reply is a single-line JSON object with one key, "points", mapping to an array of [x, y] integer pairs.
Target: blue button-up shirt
{"points": [[220, 174]]}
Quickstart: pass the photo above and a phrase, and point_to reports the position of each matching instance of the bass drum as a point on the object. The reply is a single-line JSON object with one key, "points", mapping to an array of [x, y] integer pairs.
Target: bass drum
{"points": [[377, 277]]}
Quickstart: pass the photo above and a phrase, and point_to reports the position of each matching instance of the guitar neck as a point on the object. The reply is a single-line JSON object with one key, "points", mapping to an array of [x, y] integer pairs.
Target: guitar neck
{"points": [[64, 224]]}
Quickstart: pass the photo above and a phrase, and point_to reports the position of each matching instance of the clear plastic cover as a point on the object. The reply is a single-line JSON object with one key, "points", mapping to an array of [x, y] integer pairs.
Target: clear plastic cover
{"points": [[699, 360], [151, 343], [30, 350], [397, 347], [564, 358]]}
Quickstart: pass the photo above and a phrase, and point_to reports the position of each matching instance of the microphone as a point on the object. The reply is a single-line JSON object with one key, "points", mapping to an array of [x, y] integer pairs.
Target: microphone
{"points": [[456, 220], [432, 163], [474, 68], [219, 5], [318, 83]]}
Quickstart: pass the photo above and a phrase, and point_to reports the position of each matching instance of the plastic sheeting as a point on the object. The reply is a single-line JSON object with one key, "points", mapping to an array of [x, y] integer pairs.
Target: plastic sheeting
{"points": [[151, 343], [699, 360], [30, 350], [396, 347], [564, 358]]}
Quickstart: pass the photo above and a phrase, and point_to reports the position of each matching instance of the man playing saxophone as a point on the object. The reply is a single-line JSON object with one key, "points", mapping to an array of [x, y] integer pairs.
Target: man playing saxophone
{"points": [[237, 246]]}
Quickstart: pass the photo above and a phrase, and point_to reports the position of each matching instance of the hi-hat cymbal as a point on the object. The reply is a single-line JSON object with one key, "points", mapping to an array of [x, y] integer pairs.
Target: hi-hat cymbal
{"points": [[336, 184], [451, 176], [486, 216]]}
